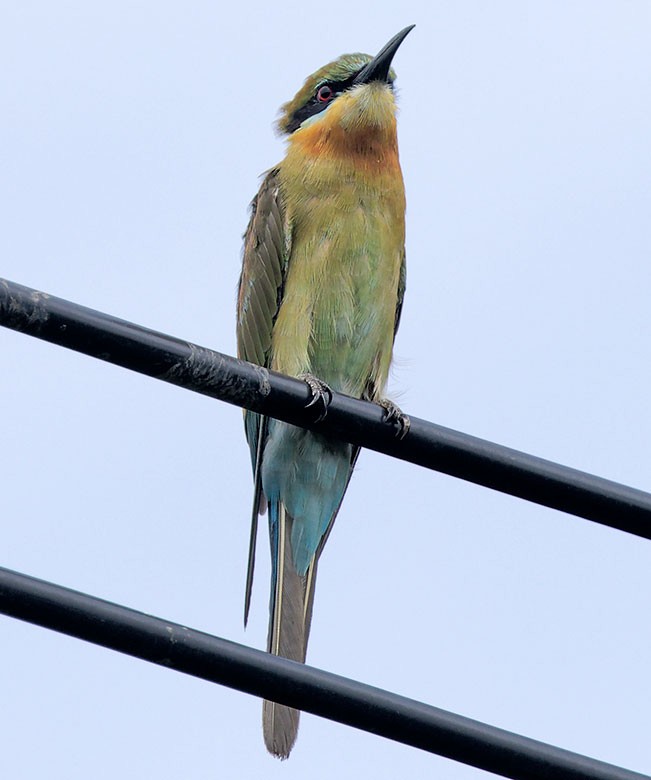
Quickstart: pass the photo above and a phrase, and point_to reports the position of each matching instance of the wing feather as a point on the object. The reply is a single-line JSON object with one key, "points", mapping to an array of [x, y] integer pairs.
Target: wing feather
{"points": [[263, 271], [266, 249], [402, 284]]}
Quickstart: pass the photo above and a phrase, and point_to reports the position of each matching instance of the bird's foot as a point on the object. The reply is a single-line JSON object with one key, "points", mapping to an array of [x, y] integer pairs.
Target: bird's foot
{"points": [[394, 414], [321, 394]]}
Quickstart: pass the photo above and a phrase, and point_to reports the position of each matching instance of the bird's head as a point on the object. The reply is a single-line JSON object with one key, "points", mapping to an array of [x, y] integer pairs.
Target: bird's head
{"points": [[348, 98]]}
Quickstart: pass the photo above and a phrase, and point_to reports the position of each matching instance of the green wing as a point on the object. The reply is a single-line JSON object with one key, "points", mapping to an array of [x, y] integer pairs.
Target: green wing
{"points": [[402, 284], [266, 249], [263, 271]]}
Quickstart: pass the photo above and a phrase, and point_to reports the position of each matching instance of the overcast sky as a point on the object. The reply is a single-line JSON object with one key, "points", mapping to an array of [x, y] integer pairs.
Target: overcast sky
{"points": [[132, 138]]}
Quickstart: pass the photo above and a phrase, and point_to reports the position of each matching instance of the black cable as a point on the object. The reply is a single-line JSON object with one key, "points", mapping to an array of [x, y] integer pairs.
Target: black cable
{"points": [[223, 377], [304, 687]]}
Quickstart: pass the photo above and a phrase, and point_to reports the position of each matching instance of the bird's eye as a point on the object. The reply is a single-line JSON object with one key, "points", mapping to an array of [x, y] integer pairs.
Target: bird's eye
{"points": [[324, 94]]}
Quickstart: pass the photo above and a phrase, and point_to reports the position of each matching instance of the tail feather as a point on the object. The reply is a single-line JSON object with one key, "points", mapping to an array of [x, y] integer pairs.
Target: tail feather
{"points": [[289, 628], [258, 429]]}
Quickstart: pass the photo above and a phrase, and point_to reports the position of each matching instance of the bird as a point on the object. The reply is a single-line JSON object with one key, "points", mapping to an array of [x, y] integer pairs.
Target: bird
{"points": [[319, 298]]}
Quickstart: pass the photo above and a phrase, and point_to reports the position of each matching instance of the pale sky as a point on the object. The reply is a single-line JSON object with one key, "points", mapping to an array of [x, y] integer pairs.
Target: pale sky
{"points": [[132, 138]]}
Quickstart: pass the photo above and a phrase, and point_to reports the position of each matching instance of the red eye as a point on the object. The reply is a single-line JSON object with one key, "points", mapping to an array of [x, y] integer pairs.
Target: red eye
{"points": [[324, 94]]}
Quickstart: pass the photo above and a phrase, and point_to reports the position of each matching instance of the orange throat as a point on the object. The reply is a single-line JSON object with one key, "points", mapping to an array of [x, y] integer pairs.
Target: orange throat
{"points": [[365, 150]]}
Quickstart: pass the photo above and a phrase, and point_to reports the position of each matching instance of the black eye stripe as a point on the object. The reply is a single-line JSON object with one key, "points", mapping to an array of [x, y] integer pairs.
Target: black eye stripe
{"points": [[314, 105]]}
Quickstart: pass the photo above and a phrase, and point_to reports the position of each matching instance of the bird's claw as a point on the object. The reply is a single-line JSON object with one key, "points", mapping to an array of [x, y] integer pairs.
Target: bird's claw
{"points": [[394, 414], [321, 394]]}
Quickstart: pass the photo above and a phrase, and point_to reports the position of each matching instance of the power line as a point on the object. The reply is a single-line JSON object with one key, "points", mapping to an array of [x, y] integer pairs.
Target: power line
{"points": [[234, 381], [304, 687]]}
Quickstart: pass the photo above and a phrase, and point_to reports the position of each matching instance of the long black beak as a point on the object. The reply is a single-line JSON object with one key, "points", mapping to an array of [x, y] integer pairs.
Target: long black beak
{"points": [[378, 68]]}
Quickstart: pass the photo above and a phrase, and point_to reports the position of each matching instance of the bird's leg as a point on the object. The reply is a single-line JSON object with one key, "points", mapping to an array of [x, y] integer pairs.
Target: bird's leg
{"points": [[321, 394], [394, 414]]}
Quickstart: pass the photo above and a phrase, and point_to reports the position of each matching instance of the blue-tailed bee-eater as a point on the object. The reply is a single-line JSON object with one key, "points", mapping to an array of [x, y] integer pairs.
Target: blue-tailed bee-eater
{"points": [[320, 296]]}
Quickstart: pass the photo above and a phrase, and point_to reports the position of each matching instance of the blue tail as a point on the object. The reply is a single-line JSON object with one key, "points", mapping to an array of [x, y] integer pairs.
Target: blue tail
{"points": [[304, 478]]}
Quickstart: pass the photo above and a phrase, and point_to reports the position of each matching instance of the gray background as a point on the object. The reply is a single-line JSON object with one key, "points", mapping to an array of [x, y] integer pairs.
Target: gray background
{"points": [[132, 136]]}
